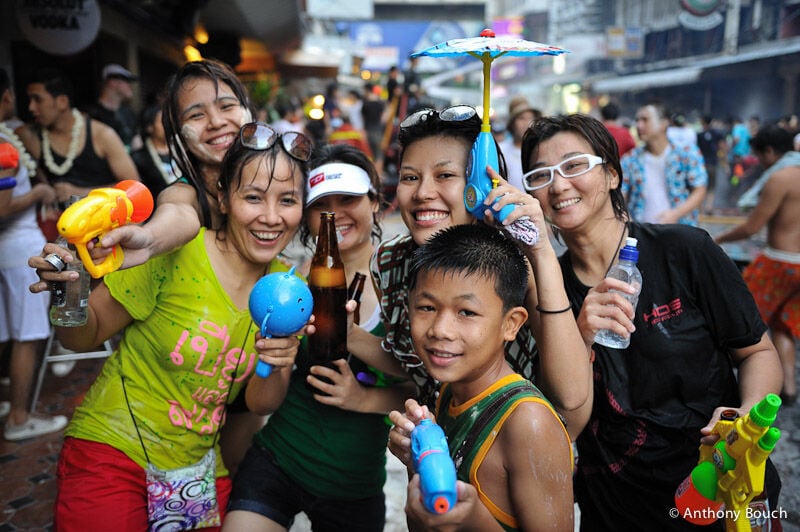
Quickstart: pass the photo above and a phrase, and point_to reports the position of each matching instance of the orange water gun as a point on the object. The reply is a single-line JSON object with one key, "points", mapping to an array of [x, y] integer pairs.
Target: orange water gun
{"points": [[9, 160], [101, 211]]}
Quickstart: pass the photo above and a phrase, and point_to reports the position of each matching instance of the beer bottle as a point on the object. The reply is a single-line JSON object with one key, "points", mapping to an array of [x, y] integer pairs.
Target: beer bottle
{"points": [[328, 286], [354, 292]]}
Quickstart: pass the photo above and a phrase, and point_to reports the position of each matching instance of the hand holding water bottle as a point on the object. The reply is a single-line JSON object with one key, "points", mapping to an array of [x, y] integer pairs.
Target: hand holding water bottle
{"points": [[625, 270]]}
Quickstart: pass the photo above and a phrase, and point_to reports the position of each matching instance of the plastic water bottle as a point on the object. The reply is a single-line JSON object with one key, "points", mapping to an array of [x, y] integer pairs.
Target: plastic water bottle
{"points": [[626, 271], [69, 302]]}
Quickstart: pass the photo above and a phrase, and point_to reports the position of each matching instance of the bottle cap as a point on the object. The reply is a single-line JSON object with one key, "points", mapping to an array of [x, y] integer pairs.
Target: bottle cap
{"points": [[56, 262], [630, 251]]}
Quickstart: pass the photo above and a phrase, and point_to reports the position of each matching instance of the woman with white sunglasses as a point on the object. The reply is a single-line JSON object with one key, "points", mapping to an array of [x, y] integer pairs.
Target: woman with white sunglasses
{"points": [[695, 321]]}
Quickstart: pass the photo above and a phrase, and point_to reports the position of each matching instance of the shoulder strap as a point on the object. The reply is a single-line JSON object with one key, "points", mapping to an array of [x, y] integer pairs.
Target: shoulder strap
{"points": [[483, 420]]}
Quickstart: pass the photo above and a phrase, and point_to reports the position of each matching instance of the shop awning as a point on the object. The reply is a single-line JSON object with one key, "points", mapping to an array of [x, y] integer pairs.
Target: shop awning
{"points": [[648, 80]]}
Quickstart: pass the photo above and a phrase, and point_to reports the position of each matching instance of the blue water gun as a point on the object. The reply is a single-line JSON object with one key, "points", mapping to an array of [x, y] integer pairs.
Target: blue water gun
{"points": [[479, 185], [437, 472], [280, 304]]}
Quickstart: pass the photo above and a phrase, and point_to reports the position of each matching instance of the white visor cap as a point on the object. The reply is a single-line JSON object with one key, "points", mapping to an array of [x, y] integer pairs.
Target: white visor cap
{"points": [[336, 178]]}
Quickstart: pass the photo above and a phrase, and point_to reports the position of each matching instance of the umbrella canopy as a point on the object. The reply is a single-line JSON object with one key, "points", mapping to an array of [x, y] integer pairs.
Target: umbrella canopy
{"points": [[488, 43], [487, 47]]}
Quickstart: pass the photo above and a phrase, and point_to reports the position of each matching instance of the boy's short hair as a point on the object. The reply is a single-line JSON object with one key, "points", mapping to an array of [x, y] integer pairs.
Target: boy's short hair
{"points": [[475, 249]]}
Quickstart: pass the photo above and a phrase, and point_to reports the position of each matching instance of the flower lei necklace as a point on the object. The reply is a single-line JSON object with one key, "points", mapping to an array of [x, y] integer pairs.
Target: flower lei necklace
{"points": [[25, 158], [75, 135]]}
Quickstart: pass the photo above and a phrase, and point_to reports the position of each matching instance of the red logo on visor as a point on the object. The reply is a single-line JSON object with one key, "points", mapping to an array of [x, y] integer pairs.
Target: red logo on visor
{"points": [[316, 179]]}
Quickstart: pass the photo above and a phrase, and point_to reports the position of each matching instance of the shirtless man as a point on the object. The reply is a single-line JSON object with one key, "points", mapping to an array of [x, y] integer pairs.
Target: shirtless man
{"points": [[774, 277]]}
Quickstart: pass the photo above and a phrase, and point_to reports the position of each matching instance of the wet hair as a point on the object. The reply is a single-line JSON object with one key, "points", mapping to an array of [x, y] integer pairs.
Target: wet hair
{"points": [[55, 82], [773, 136], [238, 156], [184, 159], [343, 153], [475, 249], [593, 131], [432, 126]]}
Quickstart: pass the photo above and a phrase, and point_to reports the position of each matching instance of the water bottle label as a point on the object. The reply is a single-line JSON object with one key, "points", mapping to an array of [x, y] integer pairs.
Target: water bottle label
{"points": [[59, 297]]}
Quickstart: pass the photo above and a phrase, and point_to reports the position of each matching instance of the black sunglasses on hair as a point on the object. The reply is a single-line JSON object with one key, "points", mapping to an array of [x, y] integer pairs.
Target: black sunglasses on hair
{"points": [[259, 136], [457, 113]]}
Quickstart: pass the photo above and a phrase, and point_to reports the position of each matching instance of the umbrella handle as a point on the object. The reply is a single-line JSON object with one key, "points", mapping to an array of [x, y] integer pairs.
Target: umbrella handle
{"points": [[486, 59]]}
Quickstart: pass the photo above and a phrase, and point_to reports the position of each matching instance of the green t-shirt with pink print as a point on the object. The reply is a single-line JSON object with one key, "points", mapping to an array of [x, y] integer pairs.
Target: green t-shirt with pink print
{"points": [[178, 356]]}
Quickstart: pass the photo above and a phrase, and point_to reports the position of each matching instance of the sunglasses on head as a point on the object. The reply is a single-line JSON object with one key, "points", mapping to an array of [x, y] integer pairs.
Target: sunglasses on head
{"points": [[457, 113], [259, 136]]}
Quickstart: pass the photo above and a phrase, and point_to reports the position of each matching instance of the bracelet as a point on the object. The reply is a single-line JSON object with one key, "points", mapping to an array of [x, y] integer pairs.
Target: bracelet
{"points": [[543, 311]]}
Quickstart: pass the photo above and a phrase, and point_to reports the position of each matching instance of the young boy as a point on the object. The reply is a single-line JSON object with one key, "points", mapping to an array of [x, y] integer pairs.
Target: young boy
{"points": [[512, 453]]}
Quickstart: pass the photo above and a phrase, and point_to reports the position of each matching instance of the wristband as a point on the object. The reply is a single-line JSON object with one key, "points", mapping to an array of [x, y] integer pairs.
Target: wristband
{"points": [[543, 311]]}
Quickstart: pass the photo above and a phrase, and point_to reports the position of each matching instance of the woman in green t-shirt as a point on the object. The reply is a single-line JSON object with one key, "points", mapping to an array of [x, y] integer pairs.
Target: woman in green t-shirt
{"points": [[187, 345]]}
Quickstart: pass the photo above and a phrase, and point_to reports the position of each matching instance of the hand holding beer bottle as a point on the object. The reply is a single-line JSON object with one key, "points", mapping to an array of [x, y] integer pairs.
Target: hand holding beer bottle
{"points": [[328, 286]]}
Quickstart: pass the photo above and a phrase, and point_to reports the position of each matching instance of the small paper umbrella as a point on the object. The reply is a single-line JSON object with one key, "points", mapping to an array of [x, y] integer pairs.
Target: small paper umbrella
{"points": [[487, 48]]}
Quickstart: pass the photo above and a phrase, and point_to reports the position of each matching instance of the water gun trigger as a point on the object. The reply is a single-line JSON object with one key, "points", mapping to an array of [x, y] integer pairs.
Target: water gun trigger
{"points": [[111, 263]]}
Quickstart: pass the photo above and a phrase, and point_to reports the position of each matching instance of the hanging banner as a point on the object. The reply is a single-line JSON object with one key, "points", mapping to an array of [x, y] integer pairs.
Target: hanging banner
{"points": [[60, 27]]}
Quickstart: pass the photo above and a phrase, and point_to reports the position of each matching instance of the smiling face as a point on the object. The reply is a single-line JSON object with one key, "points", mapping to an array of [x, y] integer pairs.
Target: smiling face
{"points": [[430, 191], [209, 118], [570, 203], [459, 328], [354, 219], [265, 208]]}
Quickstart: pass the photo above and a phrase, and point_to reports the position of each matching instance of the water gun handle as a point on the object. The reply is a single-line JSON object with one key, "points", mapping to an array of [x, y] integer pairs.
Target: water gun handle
{"points": [[437, 473], [111, 263], [263, 369], [483, 154]]}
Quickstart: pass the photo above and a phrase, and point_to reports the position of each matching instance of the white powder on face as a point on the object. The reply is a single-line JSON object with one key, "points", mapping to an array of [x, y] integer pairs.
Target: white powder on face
{"points": [[192, 139]]}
